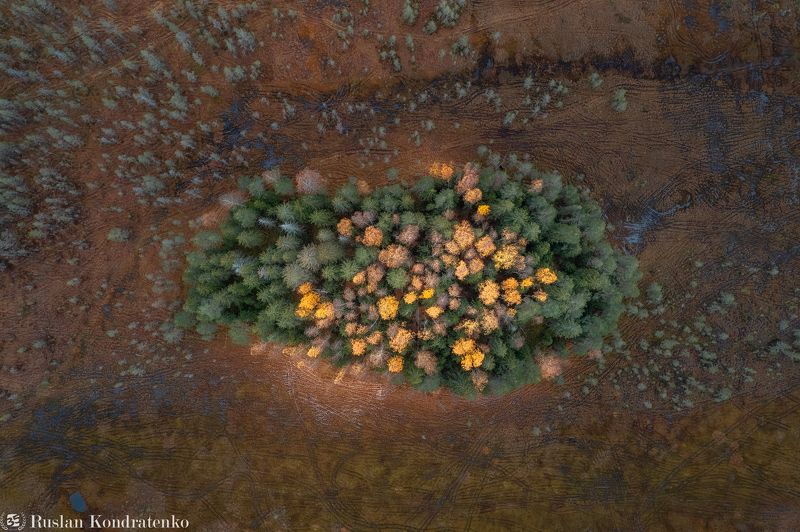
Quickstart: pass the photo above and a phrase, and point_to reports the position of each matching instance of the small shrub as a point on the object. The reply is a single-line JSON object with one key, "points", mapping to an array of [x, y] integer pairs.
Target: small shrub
{"points": [[618, 101], [595, 80], [118, 234], [410, 12]]}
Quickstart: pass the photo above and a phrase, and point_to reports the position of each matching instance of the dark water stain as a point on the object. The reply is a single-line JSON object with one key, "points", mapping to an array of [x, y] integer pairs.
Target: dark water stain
{"points": [[781, 256], [716, 128], [52, 420], [650, 219], [625, 61], [794, 181], [234, 121], [667, 70], [715, 11], [760, 100], [714, 122], [235, 124], [270, 160], [50, 436], [48, 427]]}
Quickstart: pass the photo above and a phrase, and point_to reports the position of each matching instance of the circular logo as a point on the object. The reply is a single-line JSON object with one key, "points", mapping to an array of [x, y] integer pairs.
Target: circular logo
{"points": [[12, 521]]}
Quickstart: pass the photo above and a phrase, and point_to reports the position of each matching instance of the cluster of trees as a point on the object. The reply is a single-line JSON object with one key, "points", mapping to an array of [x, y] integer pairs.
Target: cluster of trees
{"points": [[250, 274]]}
